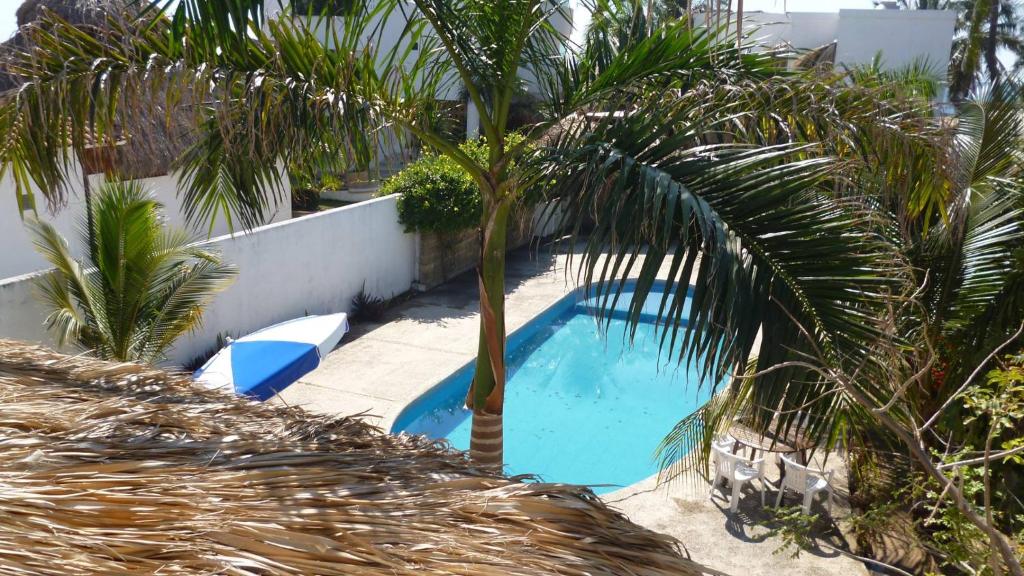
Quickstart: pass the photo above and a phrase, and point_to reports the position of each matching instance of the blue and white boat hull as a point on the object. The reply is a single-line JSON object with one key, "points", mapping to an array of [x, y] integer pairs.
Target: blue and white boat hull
{"points": [[269, 360]]}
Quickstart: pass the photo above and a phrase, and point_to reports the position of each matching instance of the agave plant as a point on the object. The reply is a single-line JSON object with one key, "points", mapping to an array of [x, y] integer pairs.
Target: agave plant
{"points": [[142, 287]]}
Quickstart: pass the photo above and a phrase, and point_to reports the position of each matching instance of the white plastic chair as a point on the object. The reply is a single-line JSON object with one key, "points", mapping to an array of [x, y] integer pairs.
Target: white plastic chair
{"points": [[737, 471], [725, 442], [806, 481]]}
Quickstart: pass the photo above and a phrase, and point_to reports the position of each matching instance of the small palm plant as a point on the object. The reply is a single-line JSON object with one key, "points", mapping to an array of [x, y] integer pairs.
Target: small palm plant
{"points": [[143, 286]]}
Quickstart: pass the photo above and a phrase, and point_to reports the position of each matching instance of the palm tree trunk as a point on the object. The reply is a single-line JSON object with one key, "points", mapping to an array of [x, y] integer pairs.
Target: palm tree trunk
{"points": [[974, 44], [739, 24], [487, 393], [91, 227], [991, 42]]}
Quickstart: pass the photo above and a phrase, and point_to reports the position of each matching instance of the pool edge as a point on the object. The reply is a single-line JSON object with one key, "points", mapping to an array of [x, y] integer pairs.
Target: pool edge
{"points": [[571, 298]]}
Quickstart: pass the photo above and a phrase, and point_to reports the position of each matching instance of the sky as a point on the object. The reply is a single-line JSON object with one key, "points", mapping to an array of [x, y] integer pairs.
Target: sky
{"points": [[7, 21]]}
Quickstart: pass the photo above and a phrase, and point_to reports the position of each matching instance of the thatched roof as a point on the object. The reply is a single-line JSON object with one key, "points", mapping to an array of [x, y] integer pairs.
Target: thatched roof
{"points": [[150, 143], [77, 12], [823, 57], [120, 469]]}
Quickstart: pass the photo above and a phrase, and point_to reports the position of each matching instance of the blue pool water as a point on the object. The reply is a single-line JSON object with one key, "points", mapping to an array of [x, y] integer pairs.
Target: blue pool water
{"points": [[581, 406]]}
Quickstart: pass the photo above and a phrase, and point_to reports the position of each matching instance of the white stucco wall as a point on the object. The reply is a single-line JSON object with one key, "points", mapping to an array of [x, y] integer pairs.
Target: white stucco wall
{"points": [[900, 36], [310, 265], [314, 264], [800, 30], [21, 314], [19, 257], [812, 29]]}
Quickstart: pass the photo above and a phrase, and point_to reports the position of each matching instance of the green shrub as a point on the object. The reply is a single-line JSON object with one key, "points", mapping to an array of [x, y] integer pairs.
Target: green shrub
{"points": [[438, 195]]}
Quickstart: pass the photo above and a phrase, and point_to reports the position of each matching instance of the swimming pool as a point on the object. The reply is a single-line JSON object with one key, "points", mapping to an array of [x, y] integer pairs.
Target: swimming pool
{"points": [[581, 406]]}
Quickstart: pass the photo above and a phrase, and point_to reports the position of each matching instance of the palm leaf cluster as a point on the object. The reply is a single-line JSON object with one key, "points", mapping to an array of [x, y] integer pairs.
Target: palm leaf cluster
{"points": [[779, 261], [90, 85], [974, 254], [141, 288]]}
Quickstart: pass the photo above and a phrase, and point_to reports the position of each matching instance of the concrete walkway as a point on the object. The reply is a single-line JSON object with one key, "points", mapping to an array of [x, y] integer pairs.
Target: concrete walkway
{"points": [[380, 368]]}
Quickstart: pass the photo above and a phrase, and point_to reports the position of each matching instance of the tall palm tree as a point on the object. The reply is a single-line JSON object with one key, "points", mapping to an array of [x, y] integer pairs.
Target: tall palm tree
{"points": [[142, 287], [983, 29], [651, 115]]}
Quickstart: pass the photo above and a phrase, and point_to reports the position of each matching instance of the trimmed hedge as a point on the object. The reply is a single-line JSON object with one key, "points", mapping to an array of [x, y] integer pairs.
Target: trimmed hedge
{"points": [[437, 195]]}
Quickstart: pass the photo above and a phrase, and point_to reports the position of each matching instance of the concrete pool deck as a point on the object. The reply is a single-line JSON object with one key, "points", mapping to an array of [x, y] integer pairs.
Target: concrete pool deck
{"points": [[381, 367]]}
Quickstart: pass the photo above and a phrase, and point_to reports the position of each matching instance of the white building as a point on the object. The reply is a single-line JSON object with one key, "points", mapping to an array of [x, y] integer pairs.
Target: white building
{"points": [[900, 37]]}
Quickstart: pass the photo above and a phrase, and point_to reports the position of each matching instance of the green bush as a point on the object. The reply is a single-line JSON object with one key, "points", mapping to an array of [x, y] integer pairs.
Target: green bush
{"points": [[436, 194]]}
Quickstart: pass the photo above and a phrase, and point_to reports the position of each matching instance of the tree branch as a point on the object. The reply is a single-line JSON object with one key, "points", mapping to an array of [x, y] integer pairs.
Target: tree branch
{"points": [[970, 379], [981, 459]]}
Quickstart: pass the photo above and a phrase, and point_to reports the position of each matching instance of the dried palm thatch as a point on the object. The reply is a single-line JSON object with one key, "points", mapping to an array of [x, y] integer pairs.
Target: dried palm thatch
{"points": [[820, 58], [120, 469], [148, 139]]}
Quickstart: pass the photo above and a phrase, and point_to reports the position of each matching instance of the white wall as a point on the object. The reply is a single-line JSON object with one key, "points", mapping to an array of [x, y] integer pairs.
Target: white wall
{"points": [[900, 35], [21, 314], [310, 265], [19, 256], [800, 30], [314, 264], [811, 30]]}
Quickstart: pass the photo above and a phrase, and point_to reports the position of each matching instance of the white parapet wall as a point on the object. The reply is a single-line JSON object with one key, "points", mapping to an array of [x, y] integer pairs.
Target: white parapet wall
{"points": [[310, 265], [899, 37], [21, 314], [19, 257]]}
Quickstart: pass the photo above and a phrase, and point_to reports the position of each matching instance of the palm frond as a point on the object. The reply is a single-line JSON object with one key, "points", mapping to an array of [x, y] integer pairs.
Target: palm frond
{"points": [[271, 95], [182, 300], [144, 286], [756, 230], [62, 289]]}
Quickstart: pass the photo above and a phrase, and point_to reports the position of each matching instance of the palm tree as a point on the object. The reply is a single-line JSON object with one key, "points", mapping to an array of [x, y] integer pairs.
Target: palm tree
{"points": [[959, 240], [143, 286], [268, 90], [973, 252], [983, 29]]}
